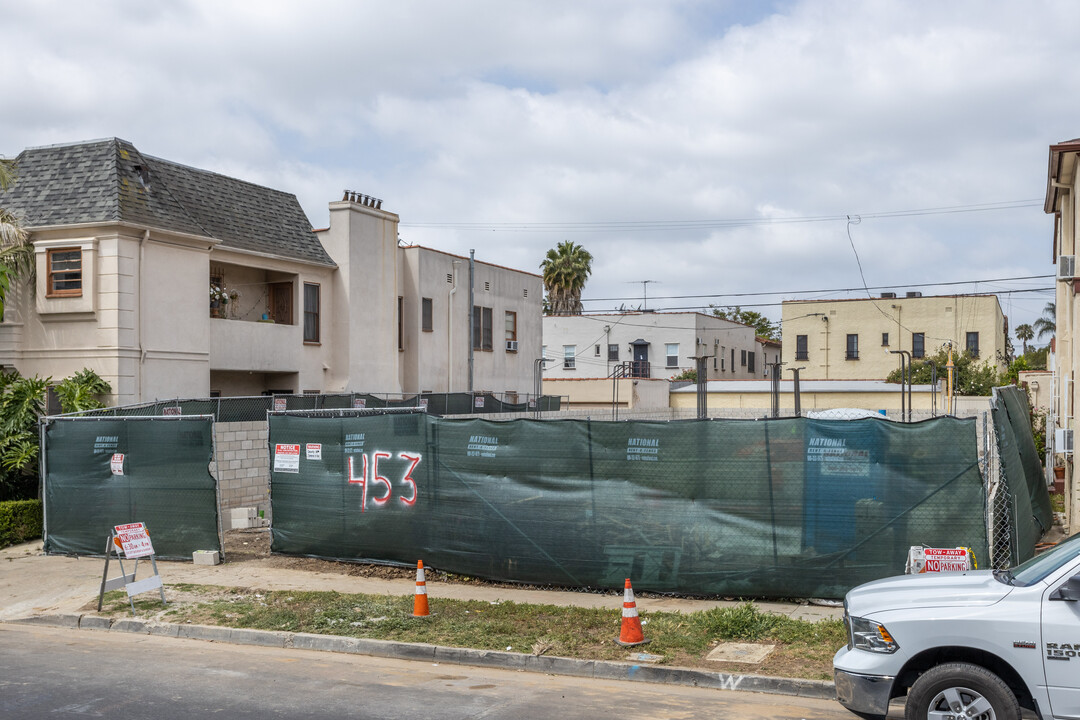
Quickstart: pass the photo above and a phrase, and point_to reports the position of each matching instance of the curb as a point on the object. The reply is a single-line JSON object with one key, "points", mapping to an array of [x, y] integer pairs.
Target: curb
{"points": [[598, 669]]}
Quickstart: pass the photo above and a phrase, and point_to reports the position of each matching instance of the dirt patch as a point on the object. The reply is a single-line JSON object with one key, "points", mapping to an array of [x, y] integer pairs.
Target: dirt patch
{"points": [[254, 544]]}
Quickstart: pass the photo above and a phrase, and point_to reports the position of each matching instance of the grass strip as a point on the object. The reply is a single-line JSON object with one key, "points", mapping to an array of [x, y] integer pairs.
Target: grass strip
{"points": [[803, 649]]}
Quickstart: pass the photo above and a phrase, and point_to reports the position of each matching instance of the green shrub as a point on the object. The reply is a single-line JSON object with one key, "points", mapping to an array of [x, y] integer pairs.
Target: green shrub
{"points": [[20, 521]]}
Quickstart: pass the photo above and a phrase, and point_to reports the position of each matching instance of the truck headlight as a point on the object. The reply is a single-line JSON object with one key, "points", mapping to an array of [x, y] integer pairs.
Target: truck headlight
{"points": [[871, 636]]}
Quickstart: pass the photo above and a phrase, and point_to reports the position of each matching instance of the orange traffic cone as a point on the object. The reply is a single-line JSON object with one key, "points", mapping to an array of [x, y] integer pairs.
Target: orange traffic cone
{"points": [[420, 606], [630, 634]]}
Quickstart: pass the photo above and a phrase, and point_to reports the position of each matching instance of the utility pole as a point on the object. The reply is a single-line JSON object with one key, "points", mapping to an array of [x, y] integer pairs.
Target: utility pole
{"points": [[905, 378], [775, 384], [472, 312], [951, 370], [702, 385], [796, 392], [538, 370]]}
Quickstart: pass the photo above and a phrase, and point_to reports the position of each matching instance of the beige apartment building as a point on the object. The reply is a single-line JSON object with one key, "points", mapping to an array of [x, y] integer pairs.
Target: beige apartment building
{"points": [[861, 339], [1062, 186], [170, 281]]}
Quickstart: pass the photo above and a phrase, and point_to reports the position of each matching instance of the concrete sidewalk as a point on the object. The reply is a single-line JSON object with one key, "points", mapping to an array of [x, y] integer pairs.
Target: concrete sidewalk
{"points": [[32, 583]]}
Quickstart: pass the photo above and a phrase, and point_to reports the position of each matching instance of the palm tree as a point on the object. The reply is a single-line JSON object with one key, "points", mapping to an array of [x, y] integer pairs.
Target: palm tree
{"points": [[566, 268], [1047, 324], [7, 173], [16, 252], [1023, 334]]}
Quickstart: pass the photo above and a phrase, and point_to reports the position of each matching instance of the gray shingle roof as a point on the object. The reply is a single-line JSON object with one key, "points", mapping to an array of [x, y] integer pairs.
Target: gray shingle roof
{"points": [[110, 180]]}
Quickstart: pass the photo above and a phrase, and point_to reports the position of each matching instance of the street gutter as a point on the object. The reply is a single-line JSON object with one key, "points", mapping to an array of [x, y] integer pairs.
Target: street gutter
{"points": [[525, 662]]}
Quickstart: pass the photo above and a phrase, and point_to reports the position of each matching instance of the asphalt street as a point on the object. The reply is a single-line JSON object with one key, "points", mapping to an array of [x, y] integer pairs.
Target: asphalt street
{"points": [[48, 672]]}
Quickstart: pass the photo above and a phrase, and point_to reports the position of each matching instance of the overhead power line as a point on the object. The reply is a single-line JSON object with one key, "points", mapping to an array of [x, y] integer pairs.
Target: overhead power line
{"points": [[679, 225], [777, 304], [835, 290]]}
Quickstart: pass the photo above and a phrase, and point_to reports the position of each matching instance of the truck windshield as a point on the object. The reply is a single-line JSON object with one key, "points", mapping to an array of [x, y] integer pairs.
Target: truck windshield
{"points": [[1037, 568]]}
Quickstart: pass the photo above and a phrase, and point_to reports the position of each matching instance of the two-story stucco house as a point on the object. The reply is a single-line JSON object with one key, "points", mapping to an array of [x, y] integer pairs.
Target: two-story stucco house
{"points": [[171, 281], [653, 345]]}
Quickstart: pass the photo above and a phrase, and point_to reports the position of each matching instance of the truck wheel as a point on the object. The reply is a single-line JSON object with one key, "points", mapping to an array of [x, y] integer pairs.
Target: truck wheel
{"points": [[961, 690]]}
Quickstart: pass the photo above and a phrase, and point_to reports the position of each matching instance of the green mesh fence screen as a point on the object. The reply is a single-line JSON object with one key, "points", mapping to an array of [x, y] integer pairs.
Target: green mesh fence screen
{"points": [[1022, 469], [783, 508], [166, 483]]}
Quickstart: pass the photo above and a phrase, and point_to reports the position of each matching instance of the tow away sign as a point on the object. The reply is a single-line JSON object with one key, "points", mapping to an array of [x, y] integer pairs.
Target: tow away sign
{"points": [[933, 560], [134, 540]]}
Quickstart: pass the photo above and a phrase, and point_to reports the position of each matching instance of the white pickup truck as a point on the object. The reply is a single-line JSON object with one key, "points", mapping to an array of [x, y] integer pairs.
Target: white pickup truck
{"points": [[967, 645]]}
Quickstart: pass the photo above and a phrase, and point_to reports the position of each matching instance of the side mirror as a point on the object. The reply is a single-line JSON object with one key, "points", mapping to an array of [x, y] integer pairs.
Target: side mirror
{"points": [[1069, 591]]}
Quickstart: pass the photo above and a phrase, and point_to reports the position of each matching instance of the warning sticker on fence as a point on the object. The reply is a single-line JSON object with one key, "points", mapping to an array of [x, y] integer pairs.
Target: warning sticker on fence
{"points": [[314, 451], [116, 464], [359, 403], [134, 540], [286, 458], [281, 403]]}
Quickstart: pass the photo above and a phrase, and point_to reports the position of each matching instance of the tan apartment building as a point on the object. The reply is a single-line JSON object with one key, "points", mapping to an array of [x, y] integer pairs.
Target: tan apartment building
{"points": [[1062, 186], [171, 281], [860, 339]]}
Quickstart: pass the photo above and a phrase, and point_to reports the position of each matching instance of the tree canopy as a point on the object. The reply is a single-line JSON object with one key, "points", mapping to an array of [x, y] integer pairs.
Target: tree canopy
{"points": [[762, 325], [566, 268], [22, 403], [1047, 324], [1024, 333], [971, 377]]}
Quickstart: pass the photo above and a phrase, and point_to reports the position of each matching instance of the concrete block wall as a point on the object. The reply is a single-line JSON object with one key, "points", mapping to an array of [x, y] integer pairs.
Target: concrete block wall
{"points": [[242, 466]]}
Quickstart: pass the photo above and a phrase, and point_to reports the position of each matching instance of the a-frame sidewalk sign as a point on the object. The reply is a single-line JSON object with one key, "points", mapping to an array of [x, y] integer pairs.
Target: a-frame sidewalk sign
{"points": [[131, 541]]}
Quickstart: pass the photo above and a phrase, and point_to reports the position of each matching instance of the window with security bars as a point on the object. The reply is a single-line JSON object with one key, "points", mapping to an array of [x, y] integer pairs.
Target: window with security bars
{"points": [[918, 345], [613, 353], [801, 350], [65, 272], [852, 347], [311, 312], [973, 344]]}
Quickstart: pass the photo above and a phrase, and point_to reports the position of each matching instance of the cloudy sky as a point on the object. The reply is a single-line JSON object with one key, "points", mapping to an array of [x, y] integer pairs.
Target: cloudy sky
{"points": [[713, 148]]}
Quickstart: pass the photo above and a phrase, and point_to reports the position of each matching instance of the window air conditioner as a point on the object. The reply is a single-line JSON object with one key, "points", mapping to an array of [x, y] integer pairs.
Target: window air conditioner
{"points": [[1066, 267], [1063, 441], [511, 345]]}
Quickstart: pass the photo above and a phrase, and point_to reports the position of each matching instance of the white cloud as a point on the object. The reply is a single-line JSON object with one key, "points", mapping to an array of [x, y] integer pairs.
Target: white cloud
{"points": [[554, 112]]}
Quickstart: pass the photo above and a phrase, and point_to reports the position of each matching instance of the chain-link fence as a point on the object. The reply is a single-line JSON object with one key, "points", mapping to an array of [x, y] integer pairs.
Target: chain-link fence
{"points": [[1018, 510], [247, 409]]}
